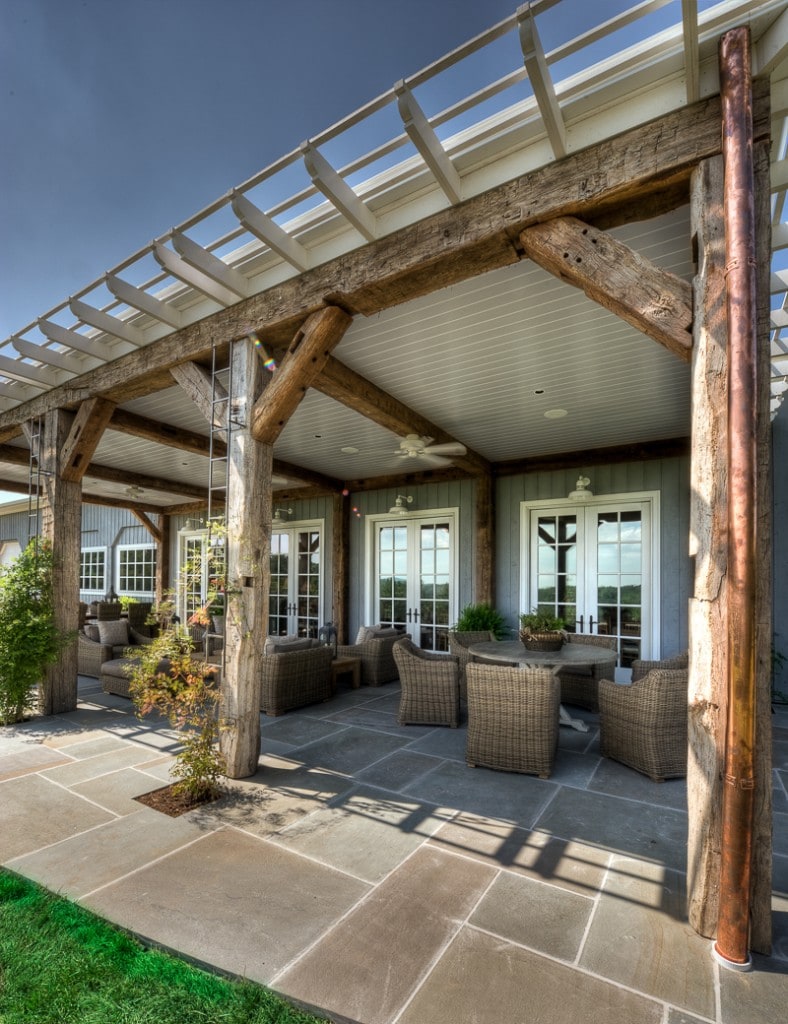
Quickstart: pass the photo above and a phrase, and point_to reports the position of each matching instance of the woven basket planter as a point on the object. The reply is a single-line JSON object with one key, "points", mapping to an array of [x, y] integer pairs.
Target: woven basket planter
{"points": [[541, 641]]}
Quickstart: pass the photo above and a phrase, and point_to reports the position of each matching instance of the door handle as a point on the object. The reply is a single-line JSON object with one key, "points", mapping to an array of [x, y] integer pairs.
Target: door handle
{"points": [[580, 623]]}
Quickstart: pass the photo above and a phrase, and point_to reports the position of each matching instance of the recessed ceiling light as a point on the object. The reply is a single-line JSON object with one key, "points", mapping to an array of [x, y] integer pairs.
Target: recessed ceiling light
{"points": [[555, 414], [349, 450]]}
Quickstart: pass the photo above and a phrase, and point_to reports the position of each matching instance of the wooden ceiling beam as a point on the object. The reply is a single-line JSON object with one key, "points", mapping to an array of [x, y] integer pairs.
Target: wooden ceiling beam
{"points": [[83, 438], [652, 300], [344, 385], [162, 433], [450, 246], [305, 358]]}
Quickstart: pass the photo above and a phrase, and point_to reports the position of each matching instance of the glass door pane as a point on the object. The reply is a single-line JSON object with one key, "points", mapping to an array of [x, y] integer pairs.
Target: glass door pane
{"points": [[296, 582], [278, 600], [556, 556], [434, 586], [392, 576], [619, 580], [193, 583], [308, 585]]}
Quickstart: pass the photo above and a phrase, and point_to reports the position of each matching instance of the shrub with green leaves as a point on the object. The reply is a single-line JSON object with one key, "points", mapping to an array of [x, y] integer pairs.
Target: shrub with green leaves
{"points": [[29, 637], [476, 618], [169, 679]]}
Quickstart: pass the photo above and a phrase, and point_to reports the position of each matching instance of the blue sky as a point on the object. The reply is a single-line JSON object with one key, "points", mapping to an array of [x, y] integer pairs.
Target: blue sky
{"points": [[120, 118]]}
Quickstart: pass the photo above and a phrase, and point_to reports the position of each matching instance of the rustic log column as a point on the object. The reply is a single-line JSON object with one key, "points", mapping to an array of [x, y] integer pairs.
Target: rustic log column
{"points": [[340, 582], [163, 557], [708, 545], [61, 525], [249, 470], [484, 582]]}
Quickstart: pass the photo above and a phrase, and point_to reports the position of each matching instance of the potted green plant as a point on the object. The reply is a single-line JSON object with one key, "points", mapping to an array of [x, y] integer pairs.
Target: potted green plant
{"points": [[479, 618], [29, 639], [541, 631]]}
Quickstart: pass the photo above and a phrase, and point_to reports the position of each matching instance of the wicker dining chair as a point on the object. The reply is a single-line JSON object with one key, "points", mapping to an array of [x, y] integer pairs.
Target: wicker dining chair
{"points": [[580, 683], [641, 668], [644, 725], [512, 718], [430, 686], [459, 642]]}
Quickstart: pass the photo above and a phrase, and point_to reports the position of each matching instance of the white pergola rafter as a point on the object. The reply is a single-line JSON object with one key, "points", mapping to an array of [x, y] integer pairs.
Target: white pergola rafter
{"points": [[199, 258], [189, 275], [268, 231], [18, 369], [72, 339], [334, 187], [144, 302], [422, 135], [105, 322], [689, 19], [51, 357], [772, 48], [541, 81]]}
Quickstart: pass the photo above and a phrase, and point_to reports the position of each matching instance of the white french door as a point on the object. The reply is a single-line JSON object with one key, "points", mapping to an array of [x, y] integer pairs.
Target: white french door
{"points": [[294, 603], [595, 566], [414, 577]]}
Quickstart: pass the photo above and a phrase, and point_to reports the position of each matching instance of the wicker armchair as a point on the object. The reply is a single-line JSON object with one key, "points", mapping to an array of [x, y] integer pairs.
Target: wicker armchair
{"points": [[91, 654], [512, 718], [580, 683], [108, 611], [377, 658], [430, 686], [641, 668], [645, 725], [459, 642], [295, 679]]}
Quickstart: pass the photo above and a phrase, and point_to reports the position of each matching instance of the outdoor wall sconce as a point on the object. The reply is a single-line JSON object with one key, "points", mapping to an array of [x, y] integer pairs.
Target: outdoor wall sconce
{"points": [[398, 508], [581, 492], [279, 521]]}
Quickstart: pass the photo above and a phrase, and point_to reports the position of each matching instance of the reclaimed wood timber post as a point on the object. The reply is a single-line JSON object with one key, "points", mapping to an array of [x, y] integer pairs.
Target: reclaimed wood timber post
{"points": [[761, 896], [248, 524], [163, 557], [708, 663], [340, 582], [484, 584], [61, 526]]}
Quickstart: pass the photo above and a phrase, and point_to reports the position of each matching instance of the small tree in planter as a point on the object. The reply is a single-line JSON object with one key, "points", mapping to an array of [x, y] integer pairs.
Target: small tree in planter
{"points": [[169, 679], [29, 639]]}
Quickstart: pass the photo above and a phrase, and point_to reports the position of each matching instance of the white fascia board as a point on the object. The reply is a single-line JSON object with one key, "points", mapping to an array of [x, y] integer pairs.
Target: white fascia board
{"points": [[199, 258]]}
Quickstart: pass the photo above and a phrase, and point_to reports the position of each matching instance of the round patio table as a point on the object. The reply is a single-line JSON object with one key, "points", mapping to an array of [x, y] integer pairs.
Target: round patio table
{"points": [[512, 652]]}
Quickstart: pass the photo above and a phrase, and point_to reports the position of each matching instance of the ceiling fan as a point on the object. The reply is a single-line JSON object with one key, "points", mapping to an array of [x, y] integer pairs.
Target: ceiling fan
{"points": [[415, 447], [134, 492]]}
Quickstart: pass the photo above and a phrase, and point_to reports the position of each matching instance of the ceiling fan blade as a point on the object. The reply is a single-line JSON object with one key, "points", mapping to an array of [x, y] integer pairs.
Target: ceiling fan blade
{"points": [[450, 448], [429, 459]]}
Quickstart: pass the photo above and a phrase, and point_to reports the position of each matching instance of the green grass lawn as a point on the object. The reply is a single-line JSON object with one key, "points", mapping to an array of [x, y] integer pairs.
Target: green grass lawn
{"points": [[61, 964]]}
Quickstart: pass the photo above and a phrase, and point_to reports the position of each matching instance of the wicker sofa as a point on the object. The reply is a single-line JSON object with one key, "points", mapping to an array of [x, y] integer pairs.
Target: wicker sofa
{"points": [[376, 653], [430, 686], [294, 679], [92, 653]]}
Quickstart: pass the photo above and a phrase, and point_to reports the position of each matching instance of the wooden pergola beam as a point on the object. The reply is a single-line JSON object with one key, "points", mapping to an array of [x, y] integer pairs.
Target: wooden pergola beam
{"points": [[303, 361], [83, 438], [349, 388], [653, 301]]}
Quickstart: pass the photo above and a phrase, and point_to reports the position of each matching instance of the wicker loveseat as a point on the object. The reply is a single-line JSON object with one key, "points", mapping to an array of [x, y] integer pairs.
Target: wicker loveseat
{"points": [[92, 653], [512, 718], [294, 679], [374, 646], [644, 725], [430, 686]]}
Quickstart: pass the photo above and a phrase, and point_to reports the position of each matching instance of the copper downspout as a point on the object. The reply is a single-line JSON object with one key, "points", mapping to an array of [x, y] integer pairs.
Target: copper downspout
{"points": [[732, 946]]}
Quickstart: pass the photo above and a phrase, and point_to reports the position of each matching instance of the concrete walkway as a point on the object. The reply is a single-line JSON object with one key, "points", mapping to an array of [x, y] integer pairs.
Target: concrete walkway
{"points": [[368, 874]]}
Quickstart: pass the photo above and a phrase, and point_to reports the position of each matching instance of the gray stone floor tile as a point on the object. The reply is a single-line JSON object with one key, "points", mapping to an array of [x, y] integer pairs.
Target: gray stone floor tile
{"points": [[535, 854], [126, 756], [482, 978], [84, 745], [370, 718], [415, 911], [518, 798], [619, 825], [573, 769], [780, 875], [367, 832], [779, 794], [781, 833], [116, 791], [399, 769], [655, 951], [34, 812], [758, 997], [350, 750], [542, 917], [279, 794], [244, 904], [780, 927], [680, 1017], [295, 730], [444, 743], [617, 780], [579, 742], [95, 858], [26, 758]]}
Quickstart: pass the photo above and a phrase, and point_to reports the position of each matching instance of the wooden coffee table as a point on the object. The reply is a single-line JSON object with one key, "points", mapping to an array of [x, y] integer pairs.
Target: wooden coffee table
{"points": [[346, 666]]}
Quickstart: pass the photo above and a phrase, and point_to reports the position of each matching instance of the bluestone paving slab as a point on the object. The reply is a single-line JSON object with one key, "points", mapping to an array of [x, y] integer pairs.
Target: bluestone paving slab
{"points": [[368, 966], [757, 997], [619, 825], [680, 1017], [579, 742], [116, 791], [94, 858], [230, 899], [443, 743], [573, 769], [296, 730], [518, 798], [481, 978], [367, 832], [644, 906], [780, 927], [81, 745], [399, 769], [542, 917], [780, 875], [35, 812], [369, 718], [618, 780], [350, 750], [26, 758], [559, 862], [126, 756]]}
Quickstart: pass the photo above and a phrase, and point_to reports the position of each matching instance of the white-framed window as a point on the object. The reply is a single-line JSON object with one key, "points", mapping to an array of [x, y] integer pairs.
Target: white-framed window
{"points": [[136, 576], [93, 571], [9, 550]]}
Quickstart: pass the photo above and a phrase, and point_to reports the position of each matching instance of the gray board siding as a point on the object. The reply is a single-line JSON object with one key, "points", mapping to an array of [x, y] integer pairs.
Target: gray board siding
{"points": [[780, 550]]}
